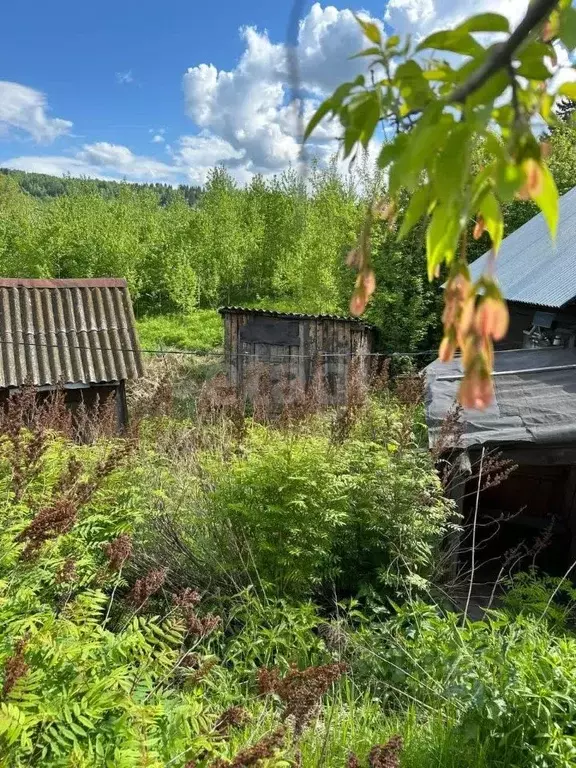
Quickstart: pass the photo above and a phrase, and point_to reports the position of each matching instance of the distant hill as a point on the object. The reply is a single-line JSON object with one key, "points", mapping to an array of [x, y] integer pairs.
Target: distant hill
{"points": [[41, 185]]}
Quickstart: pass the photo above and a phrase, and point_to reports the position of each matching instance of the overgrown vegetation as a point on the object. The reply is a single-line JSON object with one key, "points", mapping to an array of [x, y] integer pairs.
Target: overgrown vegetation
{"points": [[201, 330], [230, 590]]}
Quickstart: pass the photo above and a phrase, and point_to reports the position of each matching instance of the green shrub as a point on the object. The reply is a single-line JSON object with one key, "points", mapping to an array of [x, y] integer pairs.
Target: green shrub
{"points": [[286, 498], [307, 512], [97, 671]]}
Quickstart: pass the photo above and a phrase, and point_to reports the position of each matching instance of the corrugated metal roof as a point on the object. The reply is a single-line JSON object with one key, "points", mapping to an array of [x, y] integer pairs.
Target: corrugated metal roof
{"points": [[63, 332], [291, 315], [531, 268]]}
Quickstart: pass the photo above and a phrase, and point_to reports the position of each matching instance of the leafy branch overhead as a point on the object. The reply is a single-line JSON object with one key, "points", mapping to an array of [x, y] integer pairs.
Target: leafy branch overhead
{"points": [[436, 101]]}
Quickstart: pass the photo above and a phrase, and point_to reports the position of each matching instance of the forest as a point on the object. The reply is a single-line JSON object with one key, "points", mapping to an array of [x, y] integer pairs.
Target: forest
{"points": [[279, 242]]}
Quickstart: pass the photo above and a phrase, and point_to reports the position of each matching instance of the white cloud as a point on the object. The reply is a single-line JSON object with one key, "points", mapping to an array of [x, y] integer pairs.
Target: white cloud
{"points": [[120, 160], [420, 17], [242, 116], [246, 108], [55, 165], [195, 156], [25, 109], [102, 161], [125, 78], [190, 162]]}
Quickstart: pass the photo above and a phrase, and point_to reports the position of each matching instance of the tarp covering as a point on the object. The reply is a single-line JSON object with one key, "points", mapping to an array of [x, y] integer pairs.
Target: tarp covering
{"points": [[535, 399]]}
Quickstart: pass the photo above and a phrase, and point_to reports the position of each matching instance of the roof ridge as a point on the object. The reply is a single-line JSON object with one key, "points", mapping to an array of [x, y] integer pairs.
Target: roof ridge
{"points": [[63, 282], [294, 315]]}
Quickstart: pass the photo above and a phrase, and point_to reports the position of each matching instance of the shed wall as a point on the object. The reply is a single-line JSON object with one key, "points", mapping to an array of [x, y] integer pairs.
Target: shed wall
{"points": [[290, 353]]}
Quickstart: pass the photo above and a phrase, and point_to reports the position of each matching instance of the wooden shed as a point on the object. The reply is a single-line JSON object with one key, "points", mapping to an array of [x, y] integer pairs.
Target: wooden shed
{"points": [[531, 424], [75, 335], [294, 350]]}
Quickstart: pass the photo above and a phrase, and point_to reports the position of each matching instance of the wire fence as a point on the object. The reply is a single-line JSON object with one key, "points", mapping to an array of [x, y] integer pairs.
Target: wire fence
{"points": [[65, 344]]}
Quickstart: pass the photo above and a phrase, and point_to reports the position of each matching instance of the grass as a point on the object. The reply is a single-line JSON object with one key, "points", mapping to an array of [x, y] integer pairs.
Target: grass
{"points": [[201, 330]]}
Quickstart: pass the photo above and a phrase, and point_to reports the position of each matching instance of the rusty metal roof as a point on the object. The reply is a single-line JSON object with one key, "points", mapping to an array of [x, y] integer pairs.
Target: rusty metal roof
{"points": [[65, 332], [292, 315]]}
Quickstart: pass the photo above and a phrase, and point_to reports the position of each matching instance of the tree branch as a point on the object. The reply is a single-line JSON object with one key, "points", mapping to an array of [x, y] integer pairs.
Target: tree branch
{"points": [[502, 53]]}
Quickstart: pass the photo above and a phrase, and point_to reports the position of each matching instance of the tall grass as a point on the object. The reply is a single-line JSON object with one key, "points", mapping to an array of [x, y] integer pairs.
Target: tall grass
{"points": [[200, 330]]}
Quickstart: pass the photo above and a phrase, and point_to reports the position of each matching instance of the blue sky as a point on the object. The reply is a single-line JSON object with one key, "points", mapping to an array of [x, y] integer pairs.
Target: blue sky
{"points": [[161, 92]]}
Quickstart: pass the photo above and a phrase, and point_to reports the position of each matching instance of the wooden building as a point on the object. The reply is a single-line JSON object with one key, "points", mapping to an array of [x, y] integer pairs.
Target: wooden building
{"points": [[293, 351], [532, 424], [78, 336], [537, 277]]}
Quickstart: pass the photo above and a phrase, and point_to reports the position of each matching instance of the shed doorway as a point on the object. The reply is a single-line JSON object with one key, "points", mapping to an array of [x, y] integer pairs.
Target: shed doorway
{"points": [[526, 520]]}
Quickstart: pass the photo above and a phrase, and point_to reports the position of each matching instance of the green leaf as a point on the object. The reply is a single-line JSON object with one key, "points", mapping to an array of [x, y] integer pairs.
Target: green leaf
{"points": [[424, 143], [438, 74], [568, 89], [392, 150], [413, 86], [392, 41], [453, 41], [417, 207], [371, 30], [351, 137], [531, 62], [567, 32], [452, 163], [494, 223], [441, 237], [508, 180], [324, 109], [546, 105], [547, 200], [363, 115], [533, 70], [485, 22], [372, 51]]}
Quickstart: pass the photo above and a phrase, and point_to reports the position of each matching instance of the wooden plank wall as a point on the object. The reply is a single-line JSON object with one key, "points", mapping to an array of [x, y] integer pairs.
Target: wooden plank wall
{"points": [[330, 344]]}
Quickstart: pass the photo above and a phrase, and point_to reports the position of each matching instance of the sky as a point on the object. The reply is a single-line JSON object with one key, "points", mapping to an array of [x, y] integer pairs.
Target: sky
{"points": [[163, 92]]}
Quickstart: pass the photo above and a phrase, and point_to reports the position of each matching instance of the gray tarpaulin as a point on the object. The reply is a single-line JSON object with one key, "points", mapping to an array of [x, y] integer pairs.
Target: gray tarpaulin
{"points": [[535, 398]]}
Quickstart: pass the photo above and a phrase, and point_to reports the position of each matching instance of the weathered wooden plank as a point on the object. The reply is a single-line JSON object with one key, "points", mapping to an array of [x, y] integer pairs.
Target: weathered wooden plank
{"points": [[343, 361], [270, 330], [304, 334]]}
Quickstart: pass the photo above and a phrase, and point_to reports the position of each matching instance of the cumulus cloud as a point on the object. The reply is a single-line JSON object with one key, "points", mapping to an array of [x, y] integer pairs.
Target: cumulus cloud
{"points": [[102, 161], [25, 109], [121, 160], [420, 17], [243, 117], [190, 162], [247, 107]]}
